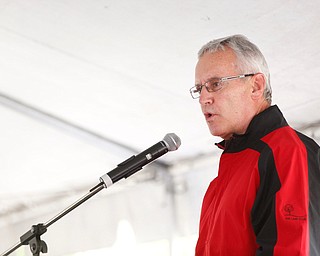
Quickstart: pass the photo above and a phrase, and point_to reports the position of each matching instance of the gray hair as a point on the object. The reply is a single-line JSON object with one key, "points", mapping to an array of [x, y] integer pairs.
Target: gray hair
{"points": [[249, 57]]}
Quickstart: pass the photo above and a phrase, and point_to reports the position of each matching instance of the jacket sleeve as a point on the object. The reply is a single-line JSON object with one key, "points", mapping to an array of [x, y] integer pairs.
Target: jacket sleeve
{"points": [[279, 213]]}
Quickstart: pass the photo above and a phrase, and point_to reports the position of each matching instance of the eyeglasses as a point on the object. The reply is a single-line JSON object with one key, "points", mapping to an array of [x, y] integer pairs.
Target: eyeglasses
{"points": [[213, 84]]}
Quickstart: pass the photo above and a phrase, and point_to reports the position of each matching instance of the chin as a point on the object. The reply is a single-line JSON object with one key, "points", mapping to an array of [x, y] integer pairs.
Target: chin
{"points": [[215, 133]]}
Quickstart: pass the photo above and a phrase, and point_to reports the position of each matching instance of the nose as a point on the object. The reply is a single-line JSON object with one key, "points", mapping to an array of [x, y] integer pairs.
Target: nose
{"points": [[205, 97]]}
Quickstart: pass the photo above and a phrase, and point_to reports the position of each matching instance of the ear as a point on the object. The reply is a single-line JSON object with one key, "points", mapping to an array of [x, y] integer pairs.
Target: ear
{"points": [[258, 85]]}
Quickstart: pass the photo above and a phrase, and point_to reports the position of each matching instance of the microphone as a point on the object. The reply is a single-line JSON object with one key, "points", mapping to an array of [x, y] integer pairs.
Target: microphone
{"points": [[134, 163]]}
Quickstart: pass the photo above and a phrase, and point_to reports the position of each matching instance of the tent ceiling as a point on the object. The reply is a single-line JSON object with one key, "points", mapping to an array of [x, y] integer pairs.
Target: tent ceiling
{"points": [[85, 84]]}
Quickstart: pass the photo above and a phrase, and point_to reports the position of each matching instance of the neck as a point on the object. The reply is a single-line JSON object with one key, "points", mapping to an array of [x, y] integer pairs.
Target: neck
{"points": [[262, 106]]}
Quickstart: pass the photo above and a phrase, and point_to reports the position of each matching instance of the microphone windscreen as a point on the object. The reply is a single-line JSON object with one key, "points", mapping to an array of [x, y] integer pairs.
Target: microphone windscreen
{"points": [[172, 141]]}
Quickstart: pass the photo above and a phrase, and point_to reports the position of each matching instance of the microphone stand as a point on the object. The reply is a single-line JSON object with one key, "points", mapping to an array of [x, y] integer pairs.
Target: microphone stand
{"points": [[33, 236], [125, 169]]}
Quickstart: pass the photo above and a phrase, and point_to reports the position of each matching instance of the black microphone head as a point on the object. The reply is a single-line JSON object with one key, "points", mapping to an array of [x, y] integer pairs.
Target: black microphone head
{"points": [[172, 141]]}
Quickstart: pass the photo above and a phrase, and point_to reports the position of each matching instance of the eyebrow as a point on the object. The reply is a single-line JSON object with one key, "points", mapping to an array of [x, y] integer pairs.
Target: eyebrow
{"points": [[211, 78]]}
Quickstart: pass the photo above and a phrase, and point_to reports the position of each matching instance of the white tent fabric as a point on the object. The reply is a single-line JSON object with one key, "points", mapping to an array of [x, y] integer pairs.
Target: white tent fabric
{"points": [[86, 84]]}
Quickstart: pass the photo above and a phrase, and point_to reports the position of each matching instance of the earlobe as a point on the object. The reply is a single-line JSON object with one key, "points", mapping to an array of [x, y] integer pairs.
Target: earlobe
{"points": [[258, 86]]}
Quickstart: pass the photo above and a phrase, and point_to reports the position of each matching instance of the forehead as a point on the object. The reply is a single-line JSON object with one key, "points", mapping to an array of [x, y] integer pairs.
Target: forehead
{"points": [[217, 64]]}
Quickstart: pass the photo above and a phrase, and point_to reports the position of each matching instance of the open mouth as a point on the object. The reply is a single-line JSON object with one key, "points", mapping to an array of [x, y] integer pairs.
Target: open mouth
{"points": [[208, 115]]}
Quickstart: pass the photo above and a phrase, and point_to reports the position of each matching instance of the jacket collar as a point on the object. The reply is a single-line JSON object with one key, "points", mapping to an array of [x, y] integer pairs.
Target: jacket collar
{"points": [[263, 123]]}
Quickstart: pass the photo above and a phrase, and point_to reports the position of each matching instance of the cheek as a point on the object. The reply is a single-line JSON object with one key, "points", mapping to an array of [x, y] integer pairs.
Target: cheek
{"points": [[236, 106], [233, 103]]}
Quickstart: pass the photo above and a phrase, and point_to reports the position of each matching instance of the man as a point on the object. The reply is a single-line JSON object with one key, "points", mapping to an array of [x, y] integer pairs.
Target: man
{"points": [[266, 197]]}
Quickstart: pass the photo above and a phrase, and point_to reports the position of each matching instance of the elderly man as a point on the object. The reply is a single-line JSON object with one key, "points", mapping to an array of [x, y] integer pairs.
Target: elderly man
{"points": [[266, 197]]}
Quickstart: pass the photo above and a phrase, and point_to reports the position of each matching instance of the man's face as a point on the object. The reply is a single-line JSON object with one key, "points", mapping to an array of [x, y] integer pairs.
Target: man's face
{"points": [[230, 109]]}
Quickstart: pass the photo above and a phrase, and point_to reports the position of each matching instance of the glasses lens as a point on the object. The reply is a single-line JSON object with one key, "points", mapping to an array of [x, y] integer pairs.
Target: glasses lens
{"points": [[213, 85]]}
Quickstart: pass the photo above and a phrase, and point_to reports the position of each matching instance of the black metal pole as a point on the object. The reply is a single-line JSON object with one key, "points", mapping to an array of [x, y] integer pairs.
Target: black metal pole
{"points": [[91, 193]]}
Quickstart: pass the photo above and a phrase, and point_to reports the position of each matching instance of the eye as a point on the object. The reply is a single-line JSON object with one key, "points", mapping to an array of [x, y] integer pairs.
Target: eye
{"points": [[213, 84]]}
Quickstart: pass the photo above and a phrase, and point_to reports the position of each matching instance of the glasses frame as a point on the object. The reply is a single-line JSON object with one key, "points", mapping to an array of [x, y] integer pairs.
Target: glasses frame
{"points": [[196, 89]]}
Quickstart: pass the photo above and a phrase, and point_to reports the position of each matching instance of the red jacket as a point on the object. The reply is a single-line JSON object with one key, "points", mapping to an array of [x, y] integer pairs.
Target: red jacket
{"points": [[266, 197]]}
